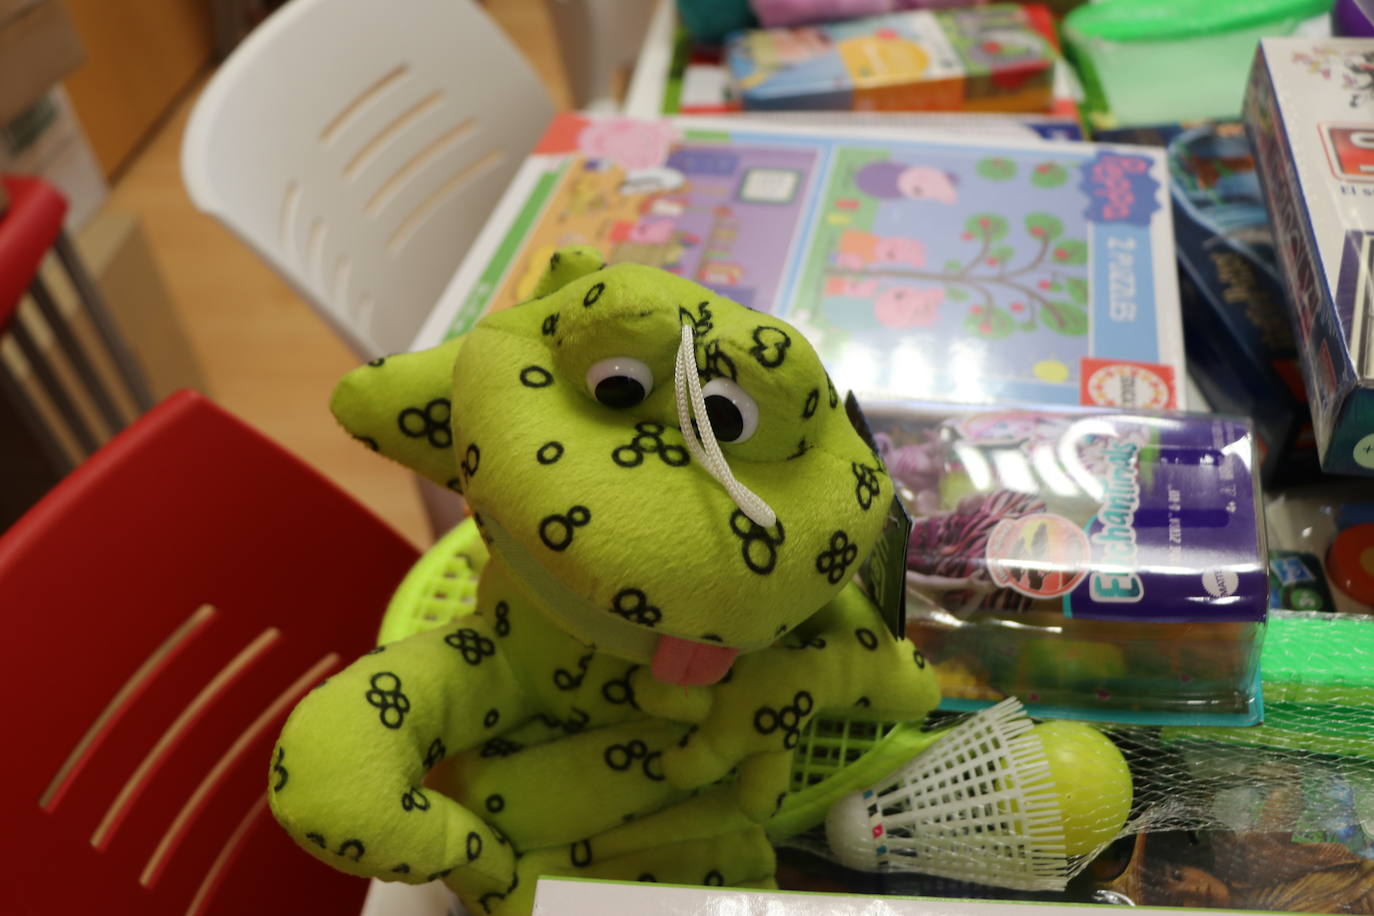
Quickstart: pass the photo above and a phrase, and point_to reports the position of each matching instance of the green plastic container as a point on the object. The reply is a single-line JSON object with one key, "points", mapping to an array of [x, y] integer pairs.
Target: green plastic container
{"points": [[1162, 61], [440, 587]]}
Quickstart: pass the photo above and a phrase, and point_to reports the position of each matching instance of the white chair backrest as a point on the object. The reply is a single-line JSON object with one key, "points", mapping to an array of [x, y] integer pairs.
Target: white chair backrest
{"points": [[359, 145]]}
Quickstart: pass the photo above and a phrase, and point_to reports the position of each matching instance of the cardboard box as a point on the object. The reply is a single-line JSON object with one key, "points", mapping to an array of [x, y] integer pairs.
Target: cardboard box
{"points": [[1309, 109], [577, 897], [38, 46], [47, 140], [1067, 246], [993, 58], [1235, 318]]}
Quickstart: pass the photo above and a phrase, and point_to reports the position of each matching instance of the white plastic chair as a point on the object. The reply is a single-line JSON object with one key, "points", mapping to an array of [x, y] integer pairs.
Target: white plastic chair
{"points": [[359, 145]]}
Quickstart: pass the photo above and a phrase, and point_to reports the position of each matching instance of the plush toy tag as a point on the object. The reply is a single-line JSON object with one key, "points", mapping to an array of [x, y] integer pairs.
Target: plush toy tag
{"points": [[883, 572]]}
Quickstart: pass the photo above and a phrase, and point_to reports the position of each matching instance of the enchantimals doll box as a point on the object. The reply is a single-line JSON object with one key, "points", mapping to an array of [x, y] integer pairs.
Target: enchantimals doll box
{"points": [[992, 58], [1095, 564], [1309, 109], [941, 266]]}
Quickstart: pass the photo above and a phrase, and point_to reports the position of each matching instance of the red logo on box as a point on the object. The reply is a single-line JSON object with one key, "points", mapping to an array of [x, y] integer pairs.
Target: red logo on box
{"points": [[1120, 383], [1350, 150]]}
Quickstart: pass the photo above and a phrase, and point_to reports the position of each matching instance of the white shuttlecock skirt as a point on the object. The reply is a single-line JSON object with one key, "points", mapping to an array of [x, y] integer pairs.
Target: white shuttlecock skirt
{"points": [[979, 805]]}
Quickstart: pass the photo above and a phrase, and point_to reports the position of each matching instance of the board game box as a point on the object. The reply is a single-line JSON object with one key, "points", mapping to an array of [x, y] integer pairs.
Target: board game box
{"points": [[1236, 332], [676, 75], [944, 267], [954, 268], [1309, 110], [991, 58]]}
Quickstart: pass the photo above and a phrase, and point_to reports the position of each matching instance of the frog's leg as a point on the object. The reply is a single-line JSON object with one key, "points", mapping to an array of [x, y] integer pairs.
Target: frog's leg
{"points": [[346, 776], [558, 793], [842, 660], [704, 840]]}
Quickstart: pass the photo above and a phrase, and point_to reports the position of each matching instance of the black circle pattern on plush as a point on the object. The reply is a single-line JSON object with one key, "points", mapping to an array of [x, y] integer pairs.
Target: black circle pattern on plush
{"points": [[621, 757], [759, 546], [787, 718], [648, 440], [556, 531], [386, 695], [536, 377], [436, 752], [430, 423], [700, 322], [277, 768], [472, 458], [770, 346], [414, 800], [634, 606], [500, 747], [472, 645], [834, 563], [867, 489], [549, 452]]}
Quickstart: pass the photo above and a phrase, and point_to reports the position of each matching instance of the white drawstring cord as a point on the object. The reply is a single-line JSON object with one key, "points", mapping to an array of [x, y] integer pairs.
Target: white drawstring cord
{"points": [[702, 443]]}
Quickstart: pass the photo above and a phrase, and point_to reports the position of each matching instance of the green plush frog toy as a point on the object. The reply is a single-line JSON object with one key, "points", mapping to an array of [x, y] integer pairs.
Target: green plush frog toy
{"points": [[675, 502]]}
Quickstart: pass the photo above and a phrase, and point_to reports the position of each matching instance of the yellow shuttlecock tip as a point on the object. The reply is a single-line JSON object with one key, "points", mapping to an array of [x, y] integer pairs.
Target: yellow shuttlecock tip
{"points": [[1092, 781]]}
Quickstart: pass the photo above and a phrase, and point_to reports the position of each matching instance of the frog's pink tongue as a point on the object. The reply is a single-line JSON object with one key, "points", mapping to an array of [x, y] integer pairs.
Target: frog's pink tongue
{"points": [[690, 663]]}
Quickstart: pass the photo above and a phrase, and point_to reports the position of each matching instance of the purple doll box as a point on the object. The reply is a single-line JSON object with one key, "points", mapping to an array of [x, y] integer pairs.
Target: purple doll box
{"points": [[1096, 564]]}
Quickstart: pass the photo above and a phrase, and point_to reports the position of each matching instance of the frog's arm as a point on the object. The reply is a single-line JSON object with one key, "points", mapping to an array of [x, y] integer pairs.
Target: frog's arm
{"points": [[346, 775], [399, 406], [843, 659]]}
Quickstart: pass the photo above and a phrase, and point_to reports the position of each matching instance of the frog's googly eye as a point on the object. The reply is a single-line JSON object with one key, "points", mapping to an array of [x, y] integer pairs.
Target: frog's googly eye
{"points": [[620, 381], [734, 415]]}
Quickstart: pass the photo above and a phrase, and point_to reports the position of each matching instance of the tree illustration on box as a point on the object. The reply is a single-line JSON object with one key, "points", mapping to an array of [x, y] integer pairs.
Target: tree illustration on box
{"points": [[1042, 285]]}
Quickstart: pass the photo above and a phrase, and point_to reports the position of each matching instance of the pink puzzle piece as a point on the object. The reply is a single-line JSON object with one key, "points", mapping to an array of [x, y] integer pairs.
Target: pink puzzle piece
{"points": [[921, 182], [908, 306]]}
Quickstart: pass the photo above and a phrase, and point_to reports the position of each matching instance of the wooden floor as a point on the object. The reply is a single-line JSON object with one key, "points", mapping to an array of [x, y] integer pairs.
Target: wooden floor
{"points": [[265, 354]]}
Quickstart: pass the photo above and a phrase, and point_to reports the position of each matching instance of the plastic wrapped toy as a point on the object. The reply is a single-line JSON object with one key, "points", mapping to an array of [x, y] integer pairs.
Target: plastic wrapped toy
{"points": [[1097, 564], [675, 503]]}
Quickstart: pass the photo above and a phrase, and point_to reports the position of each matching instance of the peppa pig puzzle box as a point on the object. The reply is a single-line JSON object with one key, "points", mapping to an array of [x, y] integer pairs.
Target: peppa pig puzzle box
{"points": [[966, 268]]}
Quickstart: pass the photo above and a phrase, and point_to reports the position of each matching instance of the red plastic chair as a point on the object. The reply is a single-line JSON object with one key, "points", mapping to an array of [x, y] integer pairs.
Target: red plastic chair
{"points": [[164, 607], [30, 227]]}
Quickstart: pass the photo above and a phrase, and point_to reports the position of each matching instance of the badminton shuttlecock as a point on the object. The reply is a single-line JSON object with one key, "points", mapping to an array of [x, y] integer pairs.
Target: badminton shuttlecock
{"points": [[996, 801]]}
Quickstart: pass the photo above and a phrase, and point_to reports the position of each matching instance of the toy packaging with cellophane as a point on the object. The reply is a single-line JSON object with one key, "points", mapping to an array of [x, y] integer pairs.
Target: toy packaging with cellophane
{"points": [[1095, 564]]}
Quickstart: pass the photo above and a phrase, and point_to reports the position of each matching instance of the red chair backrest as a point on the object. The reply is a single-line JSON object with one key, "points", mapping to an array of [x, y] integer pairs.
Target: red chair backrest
{"points": [[28, 228], [163, 609]]}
